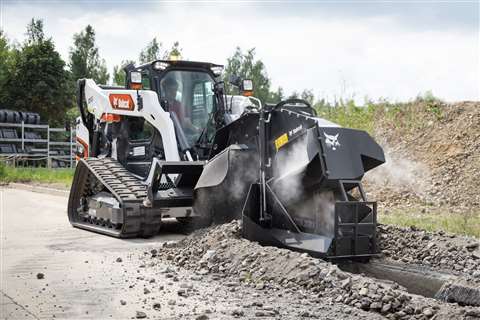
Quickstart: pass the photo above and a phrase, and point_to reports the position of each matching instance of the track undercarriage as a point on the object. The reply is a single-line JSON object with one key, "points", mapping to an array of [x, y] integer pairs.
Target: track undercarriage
{"points": [[107, 198]]}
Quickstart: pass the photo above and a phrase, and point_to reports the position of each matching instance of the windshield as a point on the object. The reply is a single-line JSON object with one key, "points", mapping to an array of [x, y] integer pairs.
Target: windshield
{"points": [[190, 100]]}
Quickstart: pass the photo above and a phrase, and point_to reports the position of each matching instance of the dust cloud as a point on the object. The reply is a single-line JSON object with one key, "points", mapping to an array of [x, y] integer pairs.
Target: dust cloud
{"points": [[312, 211], [400, 173]]}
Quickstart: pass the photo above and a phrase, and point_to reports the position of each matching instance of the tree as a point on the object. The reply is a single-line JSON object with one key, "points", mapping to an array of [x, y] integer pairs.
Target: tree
{"points": [[308, 96], [6, 61], [85, 61], [119, 74], [277, 96], [246, 66], [38, 81], [294, 95], [153, 51], [35, 31], [175, 51]]}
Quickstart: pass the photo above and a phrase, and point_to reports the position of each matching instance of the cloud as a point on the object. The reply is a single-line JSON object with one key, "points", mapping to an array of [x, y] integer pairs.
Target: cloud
{"points": [[336, 51]]}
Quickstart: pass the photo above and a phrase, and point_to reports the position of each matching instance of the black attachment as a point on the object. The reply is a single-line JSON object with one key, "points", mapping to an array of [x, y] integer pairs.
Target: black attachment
{"points": [[187, 174], [294, 101]]}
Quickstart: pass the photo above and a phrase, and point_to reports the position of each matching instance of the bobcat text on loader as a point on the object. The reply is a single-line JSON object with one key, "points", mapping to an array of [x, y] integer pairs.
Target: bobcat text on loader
{"points": [[172, 144]]}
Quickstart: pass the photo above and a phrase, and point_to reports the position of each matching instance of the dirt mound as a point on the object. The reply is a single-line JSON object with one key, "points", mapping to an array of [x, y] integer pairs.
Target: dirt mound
{"points": [[433, 156], [221, 250]]}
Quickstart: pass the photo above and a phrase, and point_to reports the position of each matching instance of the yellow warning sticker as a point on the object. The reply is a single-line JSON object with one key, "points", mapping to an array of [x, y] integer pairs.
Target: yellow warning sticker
{"points": [[280, 141]]}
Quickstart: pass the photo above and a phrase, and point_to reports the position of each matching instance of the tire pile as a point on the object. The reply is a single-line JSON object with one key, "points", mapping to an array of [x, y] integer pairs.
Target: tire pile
{"points": [[9, 116]]}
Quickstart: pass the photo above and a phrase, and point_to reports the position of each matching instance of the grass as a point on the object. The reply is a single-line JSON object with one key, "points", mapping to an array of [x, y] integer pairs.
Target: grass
{"points": [[40, 175], [403, 115], [462, 224]]}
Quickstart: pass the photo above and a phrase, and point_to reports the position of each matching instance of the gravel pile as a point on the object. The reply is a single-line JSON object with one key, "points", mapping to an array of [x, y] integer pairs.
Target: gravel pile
{"points": [[221, 250], [433, 249]]}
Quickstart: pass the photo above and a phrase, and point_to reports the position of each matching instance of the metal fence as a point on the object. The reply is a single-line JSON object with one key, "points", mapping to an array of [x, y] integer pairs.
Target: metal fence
{"points": [[37, 145]]}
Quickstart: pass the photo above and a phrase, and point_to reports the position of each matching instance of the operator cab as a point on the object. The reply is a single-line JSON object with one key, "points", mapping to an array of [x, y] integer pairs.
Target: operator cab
{"points": [[188, 96], [186, 90]]}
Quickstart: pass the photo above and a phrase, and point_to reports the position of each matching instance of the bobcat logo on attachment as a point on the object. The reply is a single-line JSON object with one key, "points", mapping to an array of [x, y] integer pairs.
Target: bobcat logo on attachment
{"points": [[332, 141]]}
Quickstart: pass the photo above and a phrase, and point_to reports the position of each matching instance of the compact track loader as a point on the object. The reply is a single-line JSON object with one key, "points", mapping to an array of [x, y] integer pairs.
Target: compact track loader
{"points": [[171, 144]]}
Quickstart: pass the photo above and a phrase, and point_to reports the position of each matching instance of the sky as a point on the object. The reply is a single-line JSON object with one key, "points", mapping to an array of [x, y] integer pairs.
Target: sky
{"points": [[338, 49]]}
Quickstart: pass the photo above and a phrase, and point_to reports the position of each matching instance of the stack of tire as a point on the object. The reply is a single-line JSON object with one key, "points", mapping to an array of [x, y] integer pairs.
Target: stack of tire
{"points": [[11, 116]]}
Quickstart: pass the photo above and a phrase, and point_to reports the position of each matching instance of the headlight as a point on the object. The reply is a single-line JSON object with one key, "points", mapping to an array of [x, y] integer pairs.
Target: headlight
{"points": [[159, 65], [217, 71], [135, 77], [247, 85]]}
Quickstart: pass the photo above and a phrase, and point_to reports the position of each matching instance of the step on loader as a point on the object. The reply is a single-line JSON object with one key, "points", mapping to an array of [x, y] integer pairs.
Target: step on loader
{"points": [[172, 144]]}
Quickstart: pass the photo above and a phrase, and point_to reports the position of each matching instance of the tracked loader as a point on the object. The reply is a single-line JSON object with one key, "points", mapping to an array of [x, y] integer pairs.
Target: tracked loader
{"points": [[172, 144]]}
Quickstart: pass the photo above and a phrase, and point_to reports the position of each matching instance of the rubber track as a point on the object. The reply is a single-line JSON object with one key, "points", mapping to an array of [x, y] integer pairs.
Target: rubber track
{"points": [[138, 221]]}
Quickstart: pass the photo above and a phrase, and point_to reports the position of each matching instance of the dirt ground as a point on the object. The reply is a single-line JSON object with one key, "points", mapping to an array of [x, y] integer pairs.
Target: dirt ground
{"points": [[89, 276]]}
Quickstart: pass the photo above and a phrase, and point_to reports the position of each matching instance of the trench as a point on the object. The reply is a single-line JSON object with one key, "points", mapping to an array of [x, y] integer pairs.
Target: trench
{"points": [[419, 280]]}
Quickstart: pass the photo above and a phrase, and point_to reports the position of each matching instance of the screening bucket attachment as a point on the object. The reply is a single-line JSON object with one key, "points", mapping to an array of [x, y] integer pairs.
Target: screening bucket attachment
{"points": [[299, 187]]}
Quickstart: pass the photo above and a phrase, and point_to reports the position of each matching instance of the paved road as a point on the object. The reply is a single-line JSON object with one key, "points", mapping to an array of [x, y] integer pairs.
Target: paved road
{"points": [[82, 279]]}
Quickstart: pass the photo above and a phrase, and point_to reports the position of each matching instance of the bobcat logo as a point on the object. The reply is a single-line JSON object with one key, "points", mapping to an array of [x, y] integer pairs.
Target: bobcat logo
{"points": [[120, 103], [332, 141]]}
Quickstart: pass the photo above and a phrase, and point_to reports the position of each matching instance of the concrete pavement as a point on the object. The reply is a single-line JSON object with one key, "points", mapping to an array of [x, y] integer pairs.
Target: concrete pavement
{"points": [[81, 276]]}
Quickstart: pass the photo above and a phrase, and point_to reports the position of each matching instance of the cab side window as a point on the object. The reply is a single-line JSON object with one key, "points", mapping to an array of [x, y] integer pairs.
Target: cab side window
{"points": [[146, 81], [199, 105]]}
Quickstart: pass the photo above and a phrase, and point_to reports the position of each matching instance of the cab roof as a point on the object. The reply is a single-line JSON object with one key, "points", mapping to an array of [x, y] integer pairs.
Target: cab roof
{"points": [[183, 63]]}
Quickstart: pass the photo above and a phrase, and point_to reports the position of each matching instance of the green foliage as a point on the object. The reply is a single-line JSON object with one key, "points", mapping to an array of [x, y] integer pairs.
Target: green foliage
{"points": [[432, 103], [175, 51], [71, 114], [308, 96], [119, 75], [401, 115], [42, 175], [38, 80], [348, 114], [6, 62], [277, 96], [85, 61], [153, 51], [246, 66], [35, 32], [464, 224]]}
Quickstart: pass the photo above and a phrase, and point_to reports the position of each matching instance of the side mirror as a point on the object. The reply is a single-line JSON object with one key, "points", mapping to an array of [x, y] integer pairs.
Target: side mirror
{"points": [[219, 86], [235, 80], [165, 105], [245, 85], [129, 67]]}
